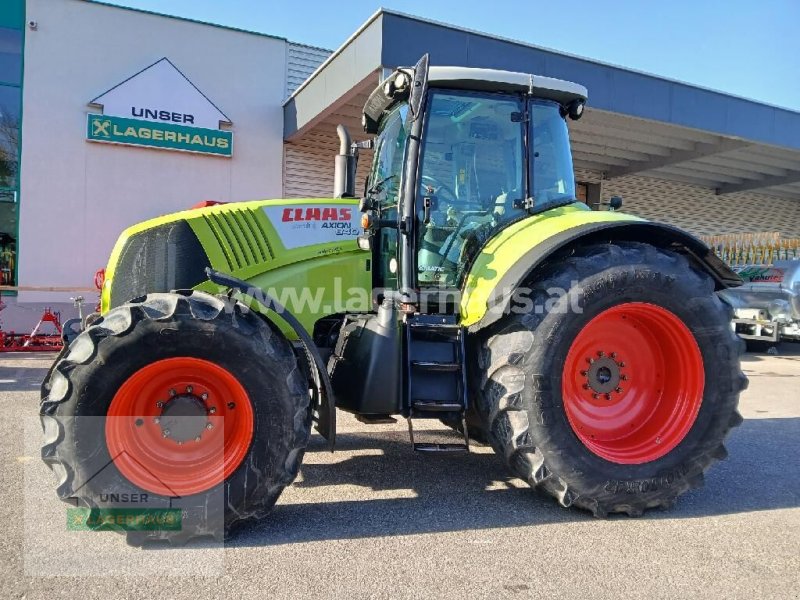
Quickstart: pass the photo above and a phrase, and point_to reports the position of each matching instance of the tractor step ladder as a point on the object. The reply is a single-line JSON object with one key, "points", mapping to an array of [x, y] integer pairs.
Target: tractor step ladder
{"points": [[435, 378]]}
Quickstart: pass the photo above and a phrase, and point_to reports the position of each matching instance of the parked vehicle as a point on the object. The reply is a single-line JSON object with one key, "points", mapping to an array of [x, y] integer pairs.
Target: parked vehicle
{"points": [[767, 306], [589, 348]]}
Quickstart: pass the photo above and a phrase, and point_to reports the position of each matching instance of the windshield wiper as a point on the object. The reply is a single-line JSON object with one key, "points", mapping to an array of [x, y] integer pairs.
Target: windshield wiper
{"points": [[377, 187]]}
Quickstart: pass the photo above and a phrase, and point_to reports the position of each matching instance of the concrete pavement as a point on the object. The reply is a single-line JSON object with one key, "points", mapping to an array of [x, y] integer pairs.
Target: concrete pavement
{"points": [[376, 520]]}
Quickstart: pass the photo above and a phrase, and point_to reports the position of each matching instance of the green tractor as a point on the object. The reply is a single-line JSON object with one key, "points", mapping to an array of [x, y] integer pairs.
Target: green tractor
{"points": [[468, 285]]}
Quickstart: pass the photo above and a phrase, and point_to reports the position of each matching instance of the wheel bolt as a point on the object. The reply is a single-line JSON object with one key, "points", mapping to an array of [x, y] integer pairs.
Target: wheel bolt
{"points": [[584, 373], [166, 433], [172, 392], [590, 360], [618, 390], [197, 439], [600, 353], [180, 443], [212, 410], [204, 396], [621, 364], [231, 405], [624, 377], [586, 386], [608, 396], [595, 396], [209, 426], [156, 420], [159, 404], [613, 355], [189, 389]]}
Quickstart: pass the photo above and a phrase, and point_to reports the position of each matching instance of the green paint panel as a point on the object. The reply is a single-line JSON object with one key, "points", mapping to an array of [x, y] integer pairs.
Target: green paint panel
{"points": [[166, 136], [503, 251], [12, 14]]}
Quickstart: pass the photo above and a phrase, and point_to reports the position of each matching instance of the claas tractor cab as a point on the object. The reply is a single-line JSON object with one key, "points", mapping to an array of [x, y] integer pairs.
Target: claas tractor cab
{"points": [[466, 285]]}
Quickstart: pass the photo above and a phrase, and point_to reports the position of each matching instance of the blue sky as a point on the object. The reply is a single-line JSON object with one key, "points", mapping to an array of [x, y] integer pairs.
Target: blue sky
{"points": [[750, 48]]}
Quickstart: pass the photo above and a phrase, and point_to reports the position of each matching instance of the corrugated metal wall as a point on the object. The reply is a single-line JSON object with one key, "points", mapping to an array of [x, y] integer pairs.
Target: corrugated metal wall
{"points": [[308, 166], [302, 61], [699, 210], [308, 163], [308, 173]]}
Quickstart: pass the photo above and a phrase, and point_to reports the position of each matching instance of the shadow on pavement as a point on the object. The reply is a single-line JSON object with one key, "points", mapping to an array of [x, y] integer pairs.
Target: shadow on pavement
{"points": [[24, 372], [786, 350], [448, 492]]}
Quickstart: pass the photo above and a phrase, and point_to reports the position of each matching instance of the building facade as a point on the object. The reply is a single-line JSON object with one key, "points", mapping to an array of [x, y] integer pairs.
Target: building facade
{"points": [[109, 116]]}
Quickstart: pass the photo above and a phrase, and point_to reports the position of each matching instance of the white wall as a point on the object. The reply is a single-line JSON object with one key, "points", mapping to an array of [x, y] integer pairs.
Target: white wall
{"points": [[77, 196]]}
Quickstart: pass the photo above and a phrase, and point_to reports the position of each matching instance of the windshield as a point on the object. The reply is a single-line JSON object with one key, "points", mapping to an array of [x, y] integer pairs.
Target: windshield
{"points": [[383, 183], [553, 176]]}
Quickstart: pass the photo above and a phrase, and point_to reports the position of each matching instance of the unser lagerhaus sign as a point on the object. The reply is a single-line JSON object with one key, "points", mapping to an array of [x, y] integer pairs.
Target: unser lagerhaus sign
{"points": [[160, 108]]}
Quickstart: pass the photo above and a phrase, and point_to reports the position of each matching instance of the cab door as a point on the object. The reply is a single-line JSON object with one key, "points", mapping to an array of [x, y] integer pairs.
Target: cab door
{"points": [[472, 179]]}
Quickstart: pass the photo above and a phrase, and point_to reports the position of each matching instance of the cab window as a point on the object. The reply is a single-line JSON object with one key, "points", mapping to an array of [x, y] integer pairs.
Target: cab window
{"points": [[471, 179]]}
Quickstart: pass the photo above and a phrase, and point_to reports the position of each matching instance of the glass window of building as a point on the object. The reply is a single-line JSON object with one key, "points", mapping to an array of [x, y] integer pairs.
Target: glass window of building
{"points": [[12, 19]]}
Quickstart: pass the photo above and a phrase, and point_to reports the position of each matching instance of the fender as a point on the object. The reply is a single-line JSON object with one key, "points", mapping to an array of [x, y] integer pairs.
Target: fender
{"points": [[326, 408], [509, 258]]}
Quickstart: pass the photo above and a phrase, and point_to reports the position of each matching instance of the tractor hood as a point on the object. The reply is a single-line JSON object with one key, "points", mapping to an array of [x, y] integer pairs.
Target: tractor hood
{"points": [[246, 239]]}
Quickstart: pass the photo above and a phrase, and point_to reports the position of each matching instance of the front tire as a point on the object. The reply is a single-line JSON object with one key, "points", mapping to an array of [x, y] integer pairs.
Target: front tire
{"points": [[185, 400], [615, 396]]}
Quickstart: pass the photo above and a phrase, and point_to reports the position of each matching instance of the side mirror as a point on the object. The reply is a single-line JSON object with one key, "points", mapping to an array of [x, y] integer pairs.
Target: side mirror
{"points": [[614, 203], [419, 87]]}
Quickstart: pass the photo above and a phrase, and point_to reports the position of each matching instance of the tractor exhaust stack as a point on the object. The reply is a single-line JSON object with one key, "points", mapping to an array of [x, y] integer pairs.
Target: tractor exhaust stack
{"points": [[344, 177]]}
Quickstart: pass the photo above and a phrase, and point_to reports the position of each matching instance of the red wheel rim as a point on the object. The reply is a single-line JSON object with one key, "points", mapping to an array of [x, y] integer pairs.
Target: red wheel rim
{"points": [[633, 383], [211, 419]]}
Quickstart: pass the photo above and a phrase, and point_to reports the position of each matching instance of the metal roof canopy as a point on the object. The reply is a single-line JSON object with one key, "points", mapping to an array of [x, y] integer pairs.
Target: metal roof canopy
{"points": [[636, 123]]}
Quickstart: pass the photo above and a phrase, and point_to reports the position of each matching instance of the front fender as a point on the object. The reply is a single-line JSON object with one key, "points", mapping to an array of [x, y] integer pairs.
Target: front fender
{"points": [[509, 258]]}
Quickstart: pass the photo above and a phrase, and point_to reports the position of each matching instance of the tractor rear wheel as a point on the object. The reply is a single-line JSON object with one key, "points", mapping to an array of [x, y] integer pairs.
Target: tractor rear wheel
{"points": [[614, 388], [176, 401]]}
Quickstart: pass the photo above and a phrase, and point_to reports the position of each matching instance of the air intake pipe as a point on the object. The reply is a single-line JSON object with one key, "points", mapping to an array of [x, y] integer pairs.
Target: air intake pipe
{"points": [[344, 175]]}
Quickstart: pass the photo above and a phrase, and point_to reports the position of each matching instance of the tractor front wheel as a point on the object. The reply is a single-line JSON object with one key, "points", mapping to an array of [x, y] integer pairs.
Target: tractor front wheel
{"points": [[181, 402], [614, 387]]}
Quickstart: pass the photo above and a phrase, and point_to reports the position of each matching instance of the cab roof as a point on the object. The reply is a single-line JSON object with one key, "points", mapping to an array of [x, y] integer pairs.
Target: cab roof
{"points": [[471, 78], [495, 80]]}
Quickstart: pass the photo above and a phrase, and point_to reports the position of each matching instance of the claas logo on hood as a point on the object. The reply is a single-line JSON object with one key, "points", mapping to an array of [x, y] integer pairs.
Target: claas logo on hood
{"points": [[316, 213]]}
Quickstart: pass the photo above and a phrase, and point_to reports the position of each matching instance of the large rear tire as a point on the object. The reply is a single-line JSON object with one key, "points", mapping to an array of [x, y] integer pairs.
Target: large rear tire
{"points": [[184, 400], [617, 395]]}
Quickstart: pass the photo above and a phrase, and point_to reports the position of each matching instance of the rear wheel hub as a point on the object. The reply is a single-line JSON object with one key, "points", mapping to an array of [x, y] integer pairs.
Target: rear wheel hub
{"points": [[633, 383], [603, 375]]}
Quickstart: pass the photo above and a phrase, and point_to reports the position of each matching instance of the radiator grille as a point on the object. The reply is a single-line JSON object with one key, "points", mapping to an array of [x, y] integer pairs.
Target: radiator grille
{"points": [[164, 258]]}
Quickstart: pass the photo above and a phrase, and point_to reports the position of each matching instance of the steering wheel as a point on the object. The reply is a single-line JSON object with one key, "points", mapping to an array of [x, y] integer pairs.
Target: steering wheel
{"points": [[467, 214]]}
